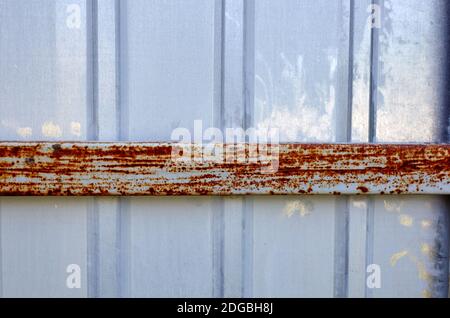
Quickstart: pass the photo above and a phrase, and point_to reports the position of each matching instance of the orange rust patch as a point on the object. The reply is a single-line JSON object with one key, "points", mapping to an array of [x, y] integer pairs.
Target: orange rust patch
{"points": [[148, 169]]}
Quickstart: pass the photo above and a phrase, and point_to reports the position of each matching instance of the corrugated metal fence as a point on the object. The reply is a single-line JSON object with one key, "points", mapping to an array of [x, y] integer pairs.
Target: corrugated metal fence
{"points": [[320, 70]]}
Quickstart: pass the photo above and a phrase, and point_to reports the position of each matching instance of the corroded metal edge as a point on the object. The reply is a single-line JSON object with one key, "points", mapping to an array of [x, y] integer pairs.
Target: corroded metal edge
{"points": [[89, 168]]}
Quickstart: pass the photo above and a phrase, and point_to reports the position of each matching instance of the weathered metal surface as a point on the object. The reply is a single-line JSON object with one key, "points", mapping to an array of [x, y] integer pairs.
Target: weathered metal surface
{"points": [[150, 169]]}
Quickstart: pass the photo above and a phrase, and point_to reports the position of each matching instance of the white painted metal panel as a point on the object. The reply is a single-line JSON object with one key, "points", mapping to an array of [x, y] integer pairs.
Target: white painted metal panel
{"points": [[167, 79], [300, 86], [44, 95], [409, 236]]}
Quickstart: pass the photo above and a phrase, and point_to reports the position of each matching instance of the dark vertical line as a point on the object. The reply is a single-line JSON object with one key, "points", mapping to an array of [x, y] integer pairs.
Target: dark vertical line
{"points": [[93, 253], [445, 87], [373, 99], [94, 65], [442, 242], [123, 231], [373, 93], [446, 130], [343, 134], [220, 15], [217, 227], [351, 52], [440, 282], [341, 245], [122, 64], [217, 219], [370, 226], [123, 249], [117, 27], [249, 61], [92, 208], [446, 231], [248, 92], [247, 249]]}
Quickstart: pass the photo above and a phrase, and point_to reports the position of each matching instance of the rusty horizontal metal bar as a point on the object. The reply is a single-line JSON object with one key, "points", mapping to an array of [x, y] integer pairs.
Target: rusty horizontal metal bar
{"points": [[85, 168]]}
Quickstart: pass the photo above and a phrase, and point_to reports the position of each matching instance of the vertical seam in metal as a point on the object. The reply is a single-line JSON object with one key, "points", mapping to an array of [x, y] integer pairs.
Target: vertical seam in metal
{"points": [[447, 218], [93, 248], [249, 60], [94, 66], [440, 283], [92, 205], [117, 68], [370, 226], [373, 91], [123, 214], [349, 136], [123, 249], [350, 70], [217, 213], [341, 211], [122, 84], [248, 91], [446, 136]]}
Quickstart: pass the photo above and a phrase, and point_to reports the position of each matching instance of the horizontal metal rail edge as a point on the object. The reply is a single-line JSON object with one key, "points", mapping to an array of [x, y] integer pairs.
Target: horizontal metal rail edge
{"points": [[129, 168]]}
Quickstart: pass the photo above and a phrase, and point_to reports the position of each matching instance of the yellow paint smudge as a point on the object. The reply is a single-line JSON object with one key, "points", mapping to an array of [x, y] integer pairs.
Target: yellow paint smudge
{"points": [[24, 131], [426, 249], [425, 224], [397, 256], [405, 220], [49, 129], [426, 294], [303, 208], [423, 274], [393, 205]]}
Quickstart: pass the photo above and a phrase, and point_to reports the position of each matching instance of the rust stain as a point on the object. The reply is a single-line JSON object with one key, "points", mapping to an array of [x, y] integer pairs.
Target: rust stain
{"points": [[85, 168]]}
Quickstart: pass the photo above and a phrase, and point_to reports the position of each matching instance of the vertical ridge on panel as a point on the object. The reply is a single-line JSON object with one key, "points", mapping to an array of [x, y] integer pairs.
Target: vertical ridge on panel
{"points": [[44, 96], [168, 78], [217, 217], [344, 75], [360, 57], [123, 231], [92, 134], [107, 278], [300, 59], [247, 238], [233, 117], [410, 241]]}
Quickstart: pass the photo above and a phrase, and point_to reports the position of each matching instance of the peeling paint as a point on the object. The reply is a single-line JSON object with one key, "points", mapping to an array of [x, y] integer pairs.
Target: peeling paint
{"points": [[393, 205], [49, 129], [406, 220], [426, 249], [303, 208], [25, 132], [397, 256], [423, 273], [426, 224], [75, 128]]}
